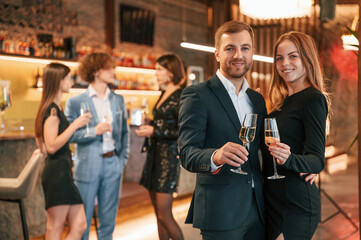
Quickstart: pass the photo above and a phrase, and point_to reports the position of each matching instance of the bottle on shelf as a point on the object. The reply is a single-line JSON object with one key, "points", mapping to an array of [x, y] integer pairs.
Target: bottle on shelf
{"points": [[38, 79], [2, 41]]}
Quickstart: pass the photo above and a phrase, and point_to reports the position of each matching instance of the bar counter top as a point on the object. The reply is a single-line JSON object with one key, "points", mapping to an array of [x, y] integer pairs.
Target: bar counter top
{"points": [[16, 135]]}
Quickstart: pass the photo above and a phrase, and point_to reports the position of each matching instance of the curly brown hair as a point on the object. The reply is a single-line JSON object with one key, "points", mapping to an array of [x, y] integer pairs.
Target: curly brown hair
{"points": [[93, 63]]}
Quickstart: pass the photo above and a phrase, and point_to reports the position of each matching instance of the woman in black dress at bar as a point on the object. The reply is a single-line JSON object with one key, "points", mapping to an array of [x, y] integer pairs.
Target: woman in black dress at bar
{"points": [[161, 170], [300, 106], [52, 131]]}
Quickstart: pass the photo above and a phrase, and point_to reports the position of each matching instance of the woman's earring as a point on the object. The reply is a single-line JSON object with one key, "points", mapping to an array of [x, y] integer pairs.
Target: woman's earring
{"points": [[169, 80]]}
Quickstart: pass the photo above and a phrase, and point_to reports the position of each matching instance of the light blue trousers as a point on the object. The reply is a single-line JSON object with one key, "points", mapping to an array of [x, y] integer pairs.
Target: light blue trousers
{"points": [[106, 188]]}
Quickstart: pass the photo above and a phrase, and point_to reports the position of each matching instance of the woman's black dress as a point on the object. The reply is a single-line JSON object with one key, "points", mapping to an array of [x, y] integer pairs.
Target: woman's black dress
{"points": [[161, 169], [293, 206], [57, 177]]}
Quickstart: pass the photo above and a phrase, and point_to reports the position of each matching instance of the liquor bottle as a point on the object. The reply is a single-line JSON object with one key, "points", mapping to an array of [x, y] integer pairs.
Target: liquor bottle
{"points": [[38, 79], [2, 41]]}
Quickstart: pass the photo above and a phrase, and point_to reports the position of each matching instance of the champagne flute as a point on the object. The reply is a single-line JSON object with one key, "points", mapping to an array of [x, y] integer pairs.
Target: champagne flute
{"points": [[84, 109], [145, 111], [108, 118], [247, 134], [272, 137], [4, 101]]}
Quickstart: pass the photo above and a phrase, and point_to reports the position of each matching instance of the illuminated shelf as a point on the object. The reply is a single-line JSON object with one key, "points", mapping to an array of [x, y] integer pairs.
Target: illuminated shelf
{"points": [[118, 91], [69, 63]]}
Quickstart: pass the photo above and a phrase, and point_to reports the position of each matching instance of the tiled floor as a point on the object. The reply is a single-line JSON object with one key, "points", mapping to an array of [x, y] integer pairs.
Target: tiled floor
{"points": [[341, 184], [136, 220]]}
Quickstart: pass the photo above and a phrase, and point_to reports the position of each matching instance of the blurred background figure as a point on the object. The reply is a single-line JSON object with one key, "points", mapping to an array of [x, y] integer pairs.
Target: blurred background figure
{"points": [[102, 146], [161, 170], [52, 131]]}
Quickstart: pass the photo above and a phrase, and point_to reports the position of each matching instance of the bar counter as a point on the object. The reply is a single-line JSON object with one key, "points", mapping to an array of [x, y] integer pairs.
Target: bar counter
{"points": [[15, 150]]}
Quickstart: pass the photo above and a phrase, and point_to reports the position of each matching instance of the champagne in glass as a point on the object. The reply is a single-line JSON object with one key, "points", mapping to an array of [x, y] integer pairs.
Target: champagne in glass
{"points": [[84, 109], [145, 111], [4, 101], [247, 134], [108, 118], [272, 138]]}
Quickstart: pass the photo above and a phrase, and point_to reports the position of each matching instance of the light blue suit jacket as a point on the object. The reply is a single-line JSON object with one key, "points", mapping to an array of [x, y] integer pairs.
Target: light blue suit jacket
{"points": [[88, 158]]}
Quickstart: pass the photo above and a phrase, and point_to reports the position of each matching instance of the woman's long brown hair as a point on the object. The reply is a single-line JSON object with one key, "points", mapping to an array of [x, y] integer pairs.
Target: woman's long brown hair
{"points": [[53, 74], [174, 65], [307, 49]]}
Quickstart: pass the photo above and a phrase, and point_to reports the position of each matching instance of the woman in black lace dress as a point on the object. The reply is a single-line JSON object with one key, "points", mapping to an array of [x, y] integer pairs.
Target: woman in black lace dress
{"points": [[52, 132], [161, 170]]}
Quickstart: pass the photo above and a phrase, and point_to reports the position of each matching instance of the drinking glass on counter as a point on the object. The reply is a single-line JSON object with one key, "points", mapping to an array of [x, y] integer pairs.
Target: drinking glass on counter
{"points": [[4, 101]]}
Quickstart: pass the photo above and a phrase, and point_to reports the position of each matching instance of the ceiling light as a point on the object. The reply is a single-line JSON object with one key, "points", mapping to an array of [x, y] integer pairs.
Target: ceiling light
{"points": [[212, 49], [275, 9]]}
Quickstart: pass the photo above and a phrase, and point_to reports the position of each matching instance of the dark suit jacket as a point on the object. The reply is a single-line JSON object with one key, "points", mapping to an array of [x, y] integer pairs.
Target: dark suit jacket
{"points": [[207, 121]]}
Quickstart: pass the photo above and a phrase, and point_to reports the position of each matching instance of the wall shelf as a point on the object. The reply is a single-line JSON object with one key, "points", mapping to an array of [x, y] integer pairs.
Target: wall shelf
{"points": [[20, 58]]}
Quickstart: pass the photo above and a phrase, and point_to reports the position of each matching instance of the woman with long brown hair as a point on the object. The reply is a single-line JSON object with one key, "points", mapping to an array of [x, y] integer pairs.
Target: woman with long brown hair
{"points": [[52, 132], [161, 170], [300, 106]]}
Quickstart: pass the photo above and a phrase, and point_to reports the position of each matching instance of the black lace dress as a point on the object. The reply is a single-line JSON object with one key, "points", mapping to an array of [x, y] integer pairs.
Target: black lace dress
{"points": [[57, 177], [161, 170]]}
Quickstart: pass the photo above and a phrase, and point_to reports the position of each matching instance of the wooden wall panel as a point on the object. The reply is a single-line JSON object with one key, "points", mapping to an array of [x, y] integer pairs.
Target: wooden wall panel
{"points": [[266, 34]]}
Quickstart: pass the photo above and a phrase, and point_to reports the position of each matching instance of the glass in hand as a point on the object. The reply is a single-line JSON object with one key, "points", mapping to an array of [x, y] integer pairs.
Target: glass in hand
{"points": [[272, 137], [145, 112], [84, 109], [108, 118], [247, 134], [4, 101]]}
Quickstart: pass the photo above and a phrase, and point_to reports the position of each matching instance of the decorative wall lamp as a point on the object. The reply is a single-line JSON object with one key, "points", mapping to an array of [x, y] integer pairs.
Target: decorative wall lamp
{"points": [[350, 41]]}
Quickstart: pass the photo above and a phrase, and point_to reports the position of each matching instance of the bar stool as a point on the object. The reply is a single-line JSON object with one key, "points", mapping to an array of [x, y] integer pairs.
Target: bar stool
{"points": [[19, 188]]}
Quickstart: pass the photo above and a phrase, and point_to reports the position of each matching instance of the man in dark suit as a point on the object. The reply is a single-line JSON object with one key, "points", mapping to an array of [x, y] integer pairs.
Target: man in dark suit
{"points": [[225, 205]]}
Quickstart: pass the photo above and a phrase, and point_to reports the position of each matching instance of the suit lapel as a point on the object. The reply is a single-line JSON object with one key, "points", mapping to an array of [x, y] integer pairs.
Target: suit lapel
{"points": [[252, 96], [222, 95]]}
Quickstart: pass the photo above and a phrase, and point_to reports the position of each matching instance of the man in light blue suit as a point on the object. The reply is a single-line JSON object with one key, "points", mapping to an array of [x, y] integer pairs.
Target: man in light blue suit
{"points": [[103, 146]]}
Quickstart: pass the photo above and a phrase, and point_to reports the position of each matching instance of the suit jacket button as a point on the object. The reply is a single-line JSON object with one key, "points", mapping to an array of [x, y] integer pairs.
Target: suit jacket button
{"points": [[249, 181]]}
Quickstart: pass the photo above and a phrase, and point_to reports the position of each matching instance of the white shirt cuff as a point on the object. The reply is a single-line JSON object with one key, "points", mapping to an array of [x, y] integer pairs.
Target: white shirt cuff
{"points": [[213, 166]]}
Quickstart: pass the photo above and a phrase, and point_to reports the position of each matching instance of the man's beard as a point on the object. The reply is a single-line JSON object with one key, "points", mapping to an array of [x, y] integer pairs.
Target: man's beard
{"points": [[240, 72]]}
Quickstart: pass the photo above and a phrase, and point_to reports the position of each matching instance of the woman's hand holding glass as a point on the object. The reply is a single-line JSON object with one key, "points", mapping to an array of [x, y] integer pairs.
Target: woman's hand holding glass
{"points": [[82, 120], [280, 151], [145, 131], [272, 140]]}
